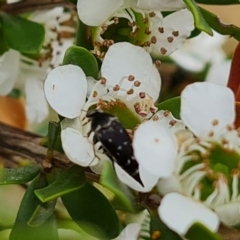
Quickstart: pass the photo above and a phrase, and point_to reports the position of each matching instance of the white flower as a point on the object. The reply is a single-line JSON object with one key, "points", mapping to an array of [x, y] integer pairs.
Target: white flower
{"points": [[201, 173], [129, 81], [141, 23], [197, 52], [29, 74]]}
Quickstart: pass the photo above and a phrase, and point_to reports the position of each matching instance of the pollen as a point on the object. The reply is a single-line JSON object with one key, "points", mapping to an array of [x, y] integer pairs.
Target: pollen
{"points": [[116, 87], [142, 94], [152, 14], [95, 93], [130, 91], [103, 81], [147, 31], [145, 20]]}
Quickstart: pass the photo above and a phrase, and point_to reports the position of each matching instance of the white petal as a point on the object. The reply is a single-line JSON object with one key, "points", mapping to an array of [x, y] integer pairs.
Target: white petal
{"points": [[90, 84], [124, 59], [94, 14], [219, 72], [36, 103], [168, 185], [163, 5], [9, 68], [130, 232], [229, 214], [181, 22], [155, 148], [205, 102], [77, 148], [66, 90], [179, 213], [149, 180]]}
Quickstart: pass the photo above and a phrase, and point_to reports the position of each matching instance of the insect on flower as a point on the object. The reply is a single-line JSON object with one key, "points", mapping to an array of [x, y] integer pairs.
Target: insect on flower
{"points": [[115, 141]]}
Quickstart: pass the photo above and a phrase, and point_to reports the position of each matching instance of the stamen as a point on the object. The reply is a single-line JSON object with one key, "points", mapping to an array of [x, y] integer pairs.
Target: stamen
{"points": [[175, 33], [188, 172], [211, 197], [235, 191]]}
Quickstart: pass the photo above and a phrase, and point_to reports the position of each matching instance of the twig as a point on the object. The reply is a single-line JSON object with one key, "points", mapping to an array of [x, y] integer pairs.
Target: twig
{"points": [[32, 5]]}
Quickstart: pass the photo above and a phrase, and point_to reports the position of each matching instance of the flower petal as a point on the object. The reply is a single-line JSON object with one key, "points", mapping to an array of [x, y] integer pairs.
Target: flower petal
{"points": [[130, 232], [36, 104], [155, 148], [176, 28], [77, 148], [66, 90], [124, 59], [163, 5], [94, 14], [179, 213], [149, 180], [168, 185], [207, 107], [9, 66], [229, 214]]}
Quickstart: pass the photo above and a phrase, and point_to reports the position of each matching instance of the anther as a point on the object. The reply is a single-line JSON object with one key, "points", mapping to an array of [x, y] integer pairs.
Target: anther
{"points": [[153, 39], [103, 81], [142, 94], [170, 39], [215, 122], [147, 31], [116, 20], [166, 113], [155, 118], [116, 87], [137, 83], [152, 14], [161, 29], [175, 33], [145, 20], [95, 93], [172, 123], [130, 91], [158, 63], [131, 78], [163, 51]]}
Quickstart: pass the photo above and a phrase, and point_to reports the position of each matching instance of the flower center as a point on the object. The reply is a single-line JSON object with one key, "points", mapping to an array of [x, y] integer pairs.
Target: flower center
{"points": [[209, 172]]}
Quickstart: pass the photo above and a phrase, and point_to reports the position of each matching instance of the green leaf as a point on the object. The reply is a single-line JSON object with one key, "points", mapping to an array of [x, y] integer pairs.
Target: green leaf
{"points": [[218, 2], [70, 180], [3, 45], [198, 232], [92, 211], [83, 38], [124, 198], [42, 213], [53, 132], [173, 105], [158, 228], [220, 27], [18, 175], [200, 22], [83, 58], [21, 230], [21, 34]]}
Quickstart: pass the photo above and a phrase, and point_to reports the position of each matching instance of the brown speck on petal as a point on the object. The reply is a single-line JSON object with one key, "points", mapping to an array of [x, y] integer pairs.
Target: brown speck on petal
{"points": [[156, 140], [170, 39], [210, 134], [175, 33], [161, 29], [163, 50]]}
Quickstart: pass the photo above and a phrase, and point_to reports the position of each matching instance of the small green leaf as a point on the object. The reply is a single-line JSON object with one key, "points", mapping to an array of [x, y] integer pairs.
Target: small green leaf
{"points": [[53, 132], [200, 22], [21, 230], [158, 227], [70, 180], [199, 232], [83, 58], [21, 34], [92, 211], [83, 38], [216, 24], [123, 199], [173, 105], [18, 175]]}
